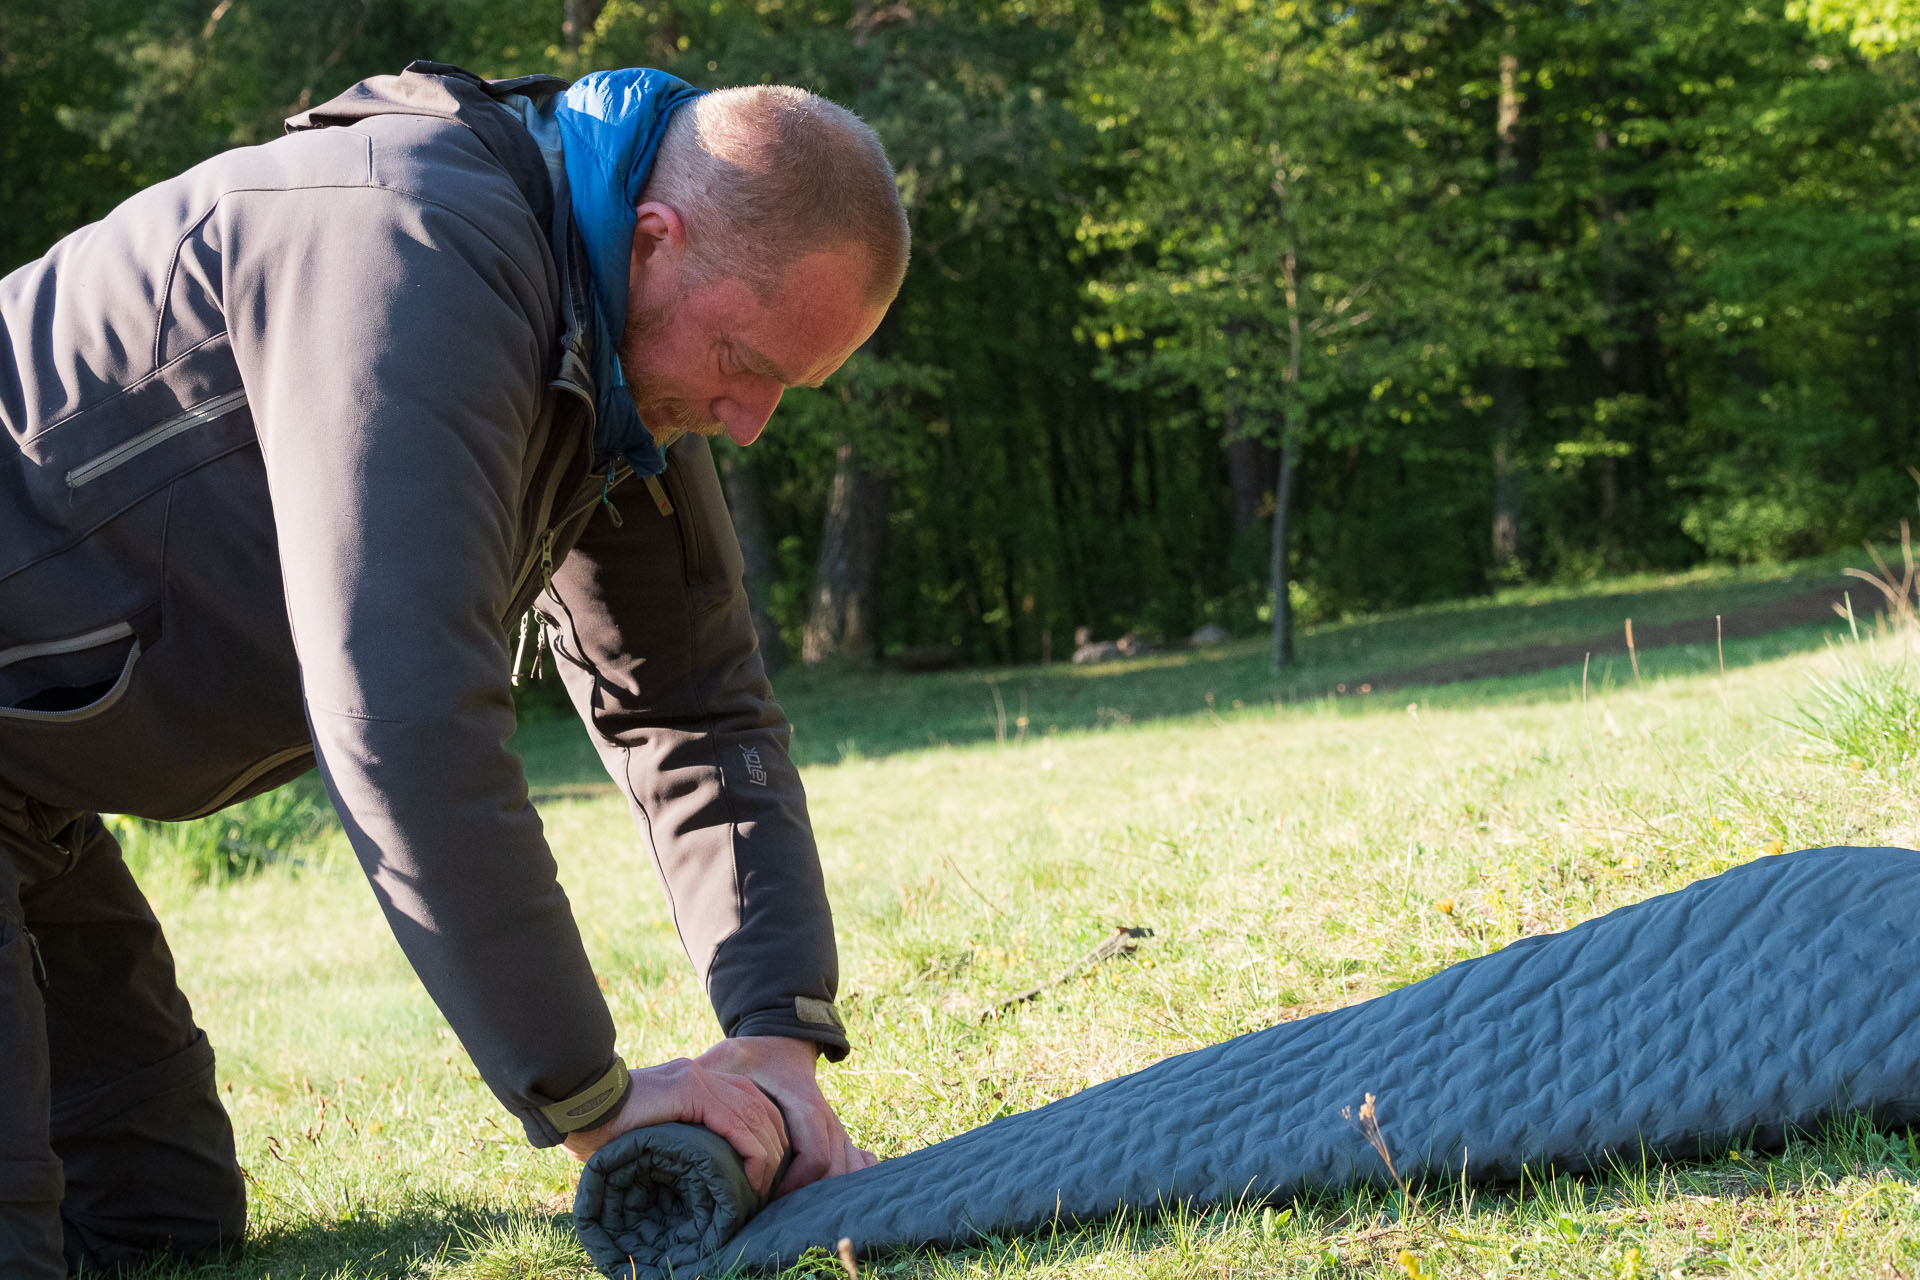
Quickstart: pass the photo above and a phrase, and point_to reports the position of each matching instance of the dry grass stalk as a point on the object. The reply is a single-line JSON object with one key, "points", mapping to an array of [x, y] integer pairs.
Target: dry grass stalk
{"points": [[1898, 588], [1369, 1126]]}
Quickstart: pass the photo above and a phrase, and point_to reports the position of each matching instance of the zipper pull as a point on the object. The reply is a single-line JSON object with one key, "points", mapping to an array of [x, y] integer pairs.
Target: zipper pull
{"points": [[539, 649], [546, 563], [659, 493], [520, 649], [606, 498], [40, 977]]}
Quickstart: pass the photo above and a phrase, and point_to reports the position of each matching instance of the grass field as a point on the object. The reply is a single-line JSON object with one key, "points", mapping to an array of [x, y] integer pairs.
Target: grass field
{"points": [[1292, 853]]}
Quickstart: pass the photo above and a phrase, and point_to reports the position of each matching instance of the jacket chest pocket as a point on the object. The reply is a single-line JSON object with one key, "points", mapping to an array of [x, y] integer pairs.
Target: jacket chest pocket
{"points": [[76, 677], [129, 451], [98, 463], [688, 495], [74, 623]]}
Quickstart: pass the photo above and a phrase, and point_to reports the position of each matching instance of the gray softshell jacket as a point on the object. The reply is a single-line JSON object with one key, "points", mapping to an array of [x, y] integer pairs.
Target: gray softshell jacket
{"points": [[292, 442]]}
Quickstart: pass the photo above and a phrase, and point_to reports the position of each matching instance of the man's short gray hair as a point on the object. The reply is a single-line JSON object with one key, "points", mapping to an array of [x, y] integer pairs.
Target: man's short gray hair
{"points": [[763, 174]]}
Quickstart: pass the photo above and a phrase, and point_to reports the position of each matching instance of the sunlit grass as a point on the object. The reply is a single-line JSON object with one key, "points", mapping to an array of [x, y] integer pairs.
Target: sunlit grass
{"points": [[285, 826], [1290, 857], [1865, 709]]}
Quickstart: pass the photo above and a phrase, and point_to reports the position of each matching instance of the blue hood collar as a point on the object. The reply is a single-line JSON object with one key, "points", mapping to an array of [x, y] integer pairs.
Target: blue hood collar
{"points": [[611, 123]]}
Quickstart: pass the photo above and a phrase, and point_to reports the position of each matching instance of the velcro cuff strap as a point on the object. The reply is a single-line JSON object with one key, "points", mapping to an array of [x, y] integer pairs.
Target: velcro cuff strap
{"points": [[819, 1013], [593, 1104]]}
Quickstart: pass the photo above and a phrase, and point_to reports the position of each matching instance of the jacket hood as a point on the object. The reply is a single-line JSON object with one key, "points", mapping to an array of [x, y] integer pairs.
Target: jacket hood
{"points": [[595, 144], [612, 123]]}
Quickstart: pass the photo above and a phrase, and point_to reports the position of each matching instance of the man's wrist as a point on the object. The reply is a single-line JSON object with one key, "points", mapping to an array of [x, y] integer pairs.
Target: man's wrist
{"points": [[797, 1048]]}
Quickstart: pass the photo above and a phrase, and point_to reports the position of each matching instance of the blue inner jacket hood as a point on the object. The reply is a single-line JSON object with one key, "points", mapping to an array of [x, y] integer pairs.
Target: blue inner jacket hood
{"points": [[611, 123]]}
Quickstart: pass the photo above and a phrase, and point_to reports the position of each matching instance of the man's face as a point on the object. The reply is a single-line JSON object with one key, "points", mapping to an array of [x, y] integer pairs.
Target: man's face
{"points": [[712, 357]]}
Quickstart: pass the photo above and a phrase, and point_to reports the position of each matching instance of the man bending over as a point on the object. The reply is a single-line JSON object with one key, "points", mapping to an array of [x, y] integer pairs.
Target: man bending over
{"points": [[296, 444]]}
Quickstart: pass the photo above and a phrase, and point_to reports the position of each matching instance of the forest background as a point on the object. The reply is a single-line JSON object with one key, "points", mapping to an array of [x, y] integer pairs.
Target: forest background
{"points": [[1219, 304]]}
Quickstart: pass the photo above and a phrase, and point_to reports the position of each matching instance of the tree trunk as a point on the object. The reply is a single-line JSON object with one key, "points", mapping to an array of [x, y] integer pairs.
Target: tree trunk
{"points": [[1291, 433], [1509, 401], [1632, 356], [576, 19], [1278, 571], [843, 616], [747, 505], [1512, 384], [1250, 470]]}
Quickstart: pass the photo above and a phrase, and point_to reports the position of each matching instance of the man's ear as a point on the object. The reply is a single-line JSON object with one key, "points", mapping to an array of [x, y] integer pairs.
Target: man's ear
{"points": [[656, 227]]}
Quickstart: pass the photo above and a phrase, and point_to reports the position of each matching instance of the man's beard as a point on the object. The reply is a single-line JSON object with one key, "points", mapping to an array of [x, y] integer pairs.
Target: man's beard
{"points": [[667, 418]]}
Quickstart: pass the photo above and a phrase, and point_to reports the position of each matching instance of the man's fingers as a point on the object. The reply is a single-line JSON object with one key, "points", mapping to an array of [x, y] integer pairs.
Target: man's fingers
{"points": [[757, 1150], [731, 1104], [809, 1165], [785, 1068], [751, 1124], [835, 1155]]}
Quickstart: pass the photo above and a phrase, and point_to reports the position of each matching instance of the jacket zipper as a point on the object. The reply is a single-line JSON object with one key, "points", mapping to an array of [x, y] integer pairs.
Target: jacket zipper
{"points": [[71, 644], [542, 559], [249, 777], [127, 450], [542, 556]]}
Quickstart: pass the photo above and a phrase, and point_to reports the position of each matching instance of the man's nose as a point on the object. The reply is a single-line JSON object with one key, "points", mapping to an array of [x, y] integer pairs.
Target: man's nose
{"points": [[745, 414]]}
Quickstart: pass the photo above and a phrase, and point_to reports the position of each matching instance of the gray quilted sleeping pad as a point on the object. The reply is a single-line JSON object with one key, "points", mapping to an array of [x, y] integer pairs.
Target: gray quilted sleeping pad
{"points": [[1741, 1008]]}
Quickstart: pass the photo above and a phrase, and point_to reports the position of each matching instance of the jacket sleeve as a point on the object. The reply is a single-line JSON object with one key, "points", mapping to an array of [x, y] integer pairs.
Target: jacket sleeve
{"points": [[650, 624], [393, 356]]}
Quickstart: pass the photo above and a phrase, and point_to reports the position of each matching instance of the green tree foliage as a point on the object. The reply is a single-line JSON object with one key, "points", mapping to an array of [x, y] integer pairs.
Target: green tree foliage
{"points": [[1459, 290], [1024, 498], [1265, 235], [1875, 26], [1710, 224], [108, 96]]}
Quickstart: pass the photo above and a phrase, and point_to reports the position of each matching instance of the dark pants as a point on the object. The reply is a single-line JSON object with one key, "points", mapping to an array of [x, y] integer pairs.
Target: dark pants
{"points": [[114, 1148]]}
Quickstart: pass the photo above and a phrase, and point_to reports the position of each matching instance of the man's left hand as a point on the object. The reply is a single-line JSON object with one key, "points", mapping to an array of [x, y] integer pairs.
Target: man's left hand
{"points": [[785, 1069]]}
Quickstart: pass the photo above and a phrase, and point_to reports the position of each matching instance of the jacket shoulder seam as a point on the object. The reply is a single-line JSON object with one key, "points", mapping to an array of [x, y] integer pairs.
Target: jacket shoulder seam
{"points": [[187, 233]]}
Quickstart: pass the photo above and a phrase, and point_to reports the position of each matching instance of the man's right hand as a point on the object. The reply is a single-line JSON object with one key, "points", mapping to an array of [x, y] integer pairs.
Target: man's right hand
{"points": [[731, 1105]]}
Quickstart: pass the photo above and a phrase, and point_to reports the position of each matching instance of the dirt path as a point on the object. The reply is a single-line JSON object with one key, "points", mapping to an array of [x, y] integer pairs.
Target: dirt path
{"points": [[1793, 611]]}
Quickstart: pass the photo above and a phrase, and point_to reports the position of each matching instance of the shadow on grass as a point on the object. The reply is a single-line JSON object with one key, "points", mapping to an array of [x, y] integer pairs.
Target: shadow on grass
{"points": [[436, 1237], [425, 1237], [844, 717]]}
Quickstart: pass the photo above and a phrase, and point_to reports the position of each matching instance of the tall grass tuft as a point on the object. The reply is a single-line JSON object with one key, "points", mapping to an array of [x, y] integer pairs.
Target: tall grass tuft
{"points": [[1867, 711], [287, 825]]}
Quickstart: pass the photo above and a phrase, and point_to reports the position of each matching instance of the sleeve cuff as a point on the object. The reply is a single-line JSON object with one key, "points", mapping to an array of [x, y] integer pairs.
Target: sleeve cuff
{"points": [[594, 1104], [805, 1018]]}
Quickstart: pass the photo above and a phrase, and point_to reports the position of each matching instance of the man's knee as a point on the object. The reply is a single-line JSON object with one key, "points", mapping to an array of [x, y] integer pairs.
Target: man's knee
{"points": [[150, 1167]]}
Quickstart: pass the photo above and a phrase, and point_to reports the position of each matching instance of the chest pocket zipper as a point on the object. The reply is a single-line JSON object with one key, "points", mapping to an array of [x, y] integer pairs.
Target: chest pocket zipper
{"points": [[153, 437]]}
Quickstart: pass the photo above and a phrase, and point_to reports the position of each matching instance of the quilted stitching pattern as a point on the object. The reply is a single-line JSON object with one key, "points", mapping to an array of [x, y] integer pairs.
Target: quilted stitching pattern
{"points": [[659, 1198], [1740, 1008]]}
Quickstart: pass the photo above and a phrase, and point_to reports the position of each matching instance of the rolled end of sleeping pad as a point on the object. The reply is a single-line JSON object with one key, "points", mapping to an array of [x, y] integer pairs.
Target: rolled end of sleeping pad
{"points": [[662, 1201]]}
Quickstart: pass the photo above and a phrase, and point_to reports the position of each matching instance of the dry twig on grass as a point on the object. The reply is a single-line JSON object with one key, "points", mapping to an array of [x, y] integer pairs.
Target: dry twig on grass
{"points": [[1122, 941]]}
